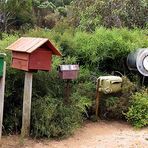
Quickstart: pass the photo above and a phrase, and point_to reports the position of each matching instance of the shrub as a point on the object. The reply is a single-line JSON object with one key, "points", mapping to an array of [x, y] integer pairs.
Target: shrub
{"points": [[52, 118], [113, 105], [137, 113], [97, 53]]}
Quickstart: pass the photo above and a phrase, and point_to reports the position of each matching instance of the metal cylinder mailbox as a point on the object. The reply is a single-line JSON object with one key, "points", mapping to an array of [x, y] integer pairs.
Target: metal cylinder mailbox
{"points": [[109, 84], [69, 72], [138, 60], [2, 55]]}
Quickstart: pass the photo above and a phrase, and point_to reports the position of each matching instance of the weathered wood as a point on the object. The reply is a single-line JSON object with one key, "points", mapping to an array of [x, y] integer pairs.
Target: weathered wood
{"points": [[20, 55], [40, 59], [2, 90], [97, 99], [20, 64], [27, 104], [67, 92]]}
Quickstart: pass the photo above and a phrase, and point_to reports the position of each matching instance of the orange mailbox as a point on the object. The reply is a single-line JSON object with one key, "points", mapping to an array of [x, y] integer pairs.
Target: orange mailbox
{"points": [[68, 71], [32, 54]]}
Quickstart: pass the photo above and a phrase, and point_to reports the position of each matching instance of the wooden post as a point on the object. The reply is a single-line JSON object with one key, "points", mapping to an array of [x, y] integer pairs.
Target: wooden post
{"points": [[2, 90], [67, 92], [97, 98], [27, 104]]}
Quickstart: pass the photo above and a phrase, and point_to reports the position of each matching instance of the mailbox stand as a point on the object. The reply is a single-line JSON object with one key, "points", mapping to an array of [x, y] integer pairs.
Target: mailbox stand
{"points": [[68, 72], [67, 91], [31, 54], [2, 89], [27, 104], [97, 98]]}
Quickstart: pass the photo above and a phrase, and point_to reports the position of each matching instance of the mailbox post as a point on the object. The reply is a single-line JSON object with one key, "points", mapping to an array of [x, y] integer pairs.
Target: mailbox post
{"points": [[2, 88], [68, 72], [30, 55], [107, 85]]}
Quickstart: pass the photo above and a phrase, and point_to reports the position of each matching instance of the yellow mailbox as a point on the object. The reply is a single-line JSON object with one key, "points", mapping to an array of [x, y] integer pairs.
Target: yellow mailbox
{"points": [[109, 84]]}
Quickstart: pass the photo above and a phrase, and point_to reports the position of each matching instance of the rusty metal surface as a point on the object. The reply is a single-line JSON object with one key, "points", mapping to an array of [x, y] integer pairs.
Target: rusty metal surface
{"points": [[29, 44], [69, 74]]}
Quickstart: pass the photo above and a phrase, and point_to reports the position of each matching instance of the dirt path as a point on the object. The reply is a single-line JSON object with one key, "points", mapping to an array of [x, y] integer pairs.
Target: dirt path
{"points": [[92, 135]]}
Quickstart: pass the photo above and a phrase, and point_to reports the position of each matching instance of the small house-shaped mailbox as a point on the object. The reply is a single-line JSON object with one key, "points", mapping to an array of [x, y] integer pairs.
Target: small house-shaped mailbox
{"points": [[69, 72], [32, 54]]}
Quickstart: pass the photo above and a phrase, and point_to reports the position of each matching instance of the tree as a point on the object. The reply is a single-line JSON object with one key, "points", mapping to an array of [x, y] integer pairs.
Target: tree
{"points": [[15, 12], [89, 14]]}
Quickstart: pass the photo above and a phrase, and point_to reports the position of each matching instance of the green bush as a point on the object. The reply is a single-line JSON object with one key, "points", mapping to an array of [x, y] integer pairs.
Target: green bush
{"points": [[97, 53], [52, 118], [113, 105], [137, 113]]}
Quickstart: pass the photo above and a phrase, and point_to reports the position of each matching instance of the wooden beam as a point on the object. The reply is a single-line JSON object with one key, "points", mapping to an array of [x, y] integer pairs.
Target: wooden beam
{"points": [[97, 98], [27, 104], [2, 90]]}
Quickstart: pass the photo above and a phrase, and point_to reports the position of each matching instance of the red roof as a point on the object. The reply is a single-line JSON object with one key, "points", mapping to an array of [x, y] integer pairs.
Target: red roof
{"points": [[29, 44]]}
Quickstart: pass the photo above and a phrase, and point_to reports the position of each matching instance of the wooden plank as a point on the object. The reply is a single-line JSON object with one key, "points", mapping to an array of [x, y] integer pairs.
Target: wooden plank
{"points": [[2, 90], [20, 64], [97, 98], [27, 44], [40, 60], [20, 55], [27, 104]]}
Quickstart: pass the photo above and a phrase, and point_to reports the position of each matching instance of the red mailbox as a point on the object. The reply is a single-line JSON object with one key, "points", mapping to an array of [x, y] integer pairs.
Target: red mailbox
{"points": [[32, 54], [68, 71]]}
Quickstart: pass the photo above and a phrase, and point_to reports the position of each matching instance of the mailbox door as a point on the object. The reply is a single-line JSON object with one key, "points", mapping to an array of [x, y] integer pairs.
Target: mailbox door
{"points": [[1, 66], [110, 85], [115, 86]]}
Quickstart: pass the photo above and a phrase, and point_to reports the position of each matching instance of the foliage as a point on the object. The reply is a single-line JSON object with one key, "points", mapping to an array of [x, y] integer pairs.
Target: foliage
{"points": [[113, 105], [98, 53], [83, 14], [15, 12], [51, 118], [89, 14], [137, 113]]}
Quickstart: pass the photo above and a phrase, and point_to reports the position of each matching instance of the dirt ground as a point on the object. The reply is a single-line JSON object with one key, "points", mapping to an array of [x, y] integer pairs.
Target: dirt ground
{"points": [[100, 134]]}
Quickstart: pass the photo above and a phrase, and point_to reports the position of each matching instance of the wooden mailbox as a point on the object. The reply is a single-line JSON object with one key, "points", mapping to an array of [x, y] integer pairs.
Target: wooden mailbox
{"points": [[68, 71], [32, 54]]}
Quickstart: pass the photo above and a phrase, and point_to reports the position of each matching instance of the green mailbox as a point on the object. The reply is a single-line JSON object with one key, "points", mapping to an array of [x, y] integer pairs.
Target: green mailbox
{"points": [[2, 55]]}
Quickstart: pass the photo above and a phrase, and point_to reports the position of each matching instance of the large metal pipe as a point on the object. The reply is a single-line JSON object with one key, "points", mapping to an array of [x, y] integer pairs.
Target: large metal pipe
{"points": [[138, 60]]}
